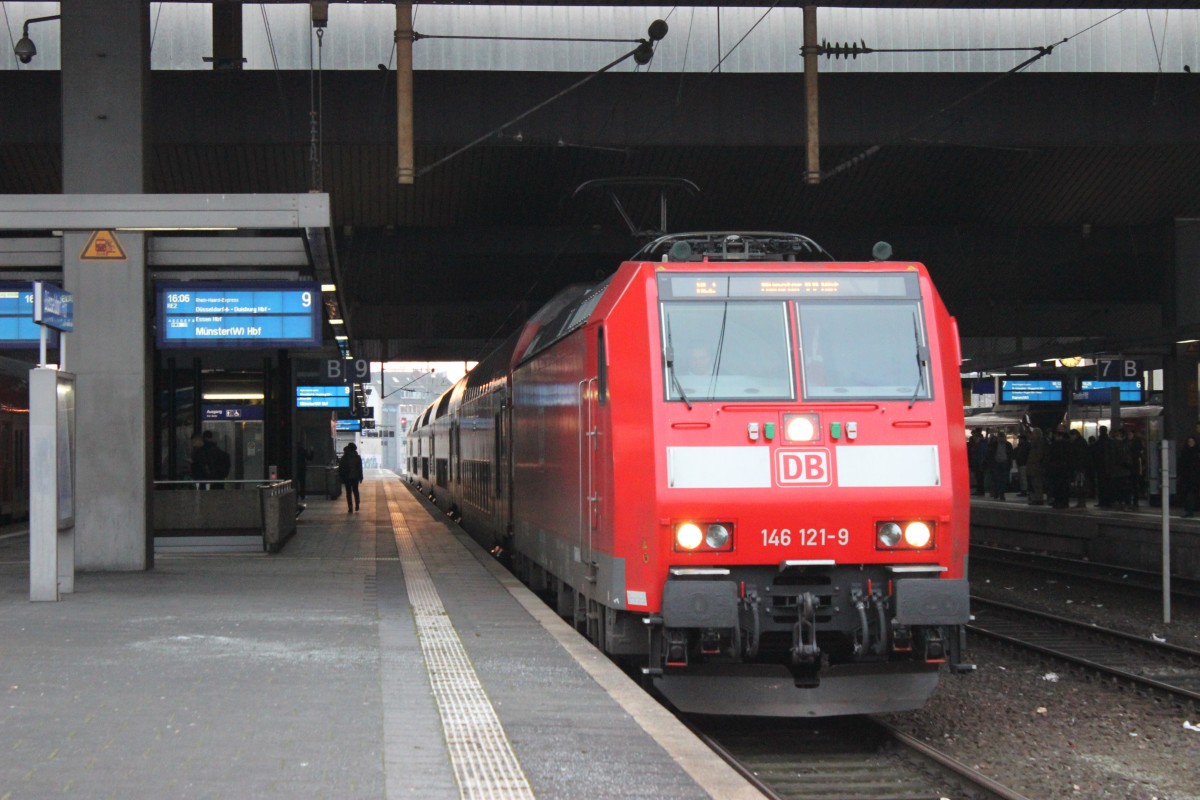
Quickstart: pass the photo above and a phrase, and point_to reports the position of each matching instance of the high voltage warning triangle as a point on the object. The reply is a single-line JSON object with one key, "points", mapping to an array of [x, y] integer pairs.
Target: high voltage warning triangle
{"points": [[103, 246]]}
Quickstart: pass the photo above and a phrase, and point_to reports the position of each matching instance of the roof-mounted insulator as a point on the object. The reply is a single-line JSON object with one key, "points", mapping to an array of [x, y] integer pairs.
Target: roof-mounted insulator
{"points": [[847, 49]]}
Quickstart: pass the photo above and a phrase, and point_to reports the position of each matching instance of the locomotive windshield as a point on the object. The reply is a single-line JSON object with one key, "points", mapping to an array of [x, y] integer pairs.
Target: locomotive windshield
{"points": [[728, 337], [727, 351], [863, 351]]}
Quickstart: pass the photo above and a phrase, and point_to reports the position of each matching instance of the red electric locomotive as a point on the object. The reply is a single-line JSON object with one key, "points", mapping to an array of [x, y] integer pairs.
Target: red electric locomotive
{"points": [[736, 461]]}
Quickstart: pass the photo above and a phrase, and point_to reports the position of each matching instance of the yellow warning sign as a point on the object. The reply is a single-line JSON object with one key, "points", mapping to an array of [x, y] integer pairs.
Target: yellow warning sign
{"points": [[103, 245]]}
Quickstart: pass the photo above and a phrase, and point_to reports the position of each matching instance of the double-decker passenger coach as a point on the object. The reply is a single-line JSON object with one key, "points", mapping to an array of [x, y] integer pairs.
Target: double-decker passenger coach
{"points": [[736, 462]]}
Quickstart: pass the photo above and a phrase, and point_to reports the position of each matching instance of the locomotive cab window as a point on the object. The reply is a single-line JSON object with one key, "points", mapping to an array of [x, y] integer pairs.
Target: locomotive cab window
{"points": [[864, 350], [726, 350]]}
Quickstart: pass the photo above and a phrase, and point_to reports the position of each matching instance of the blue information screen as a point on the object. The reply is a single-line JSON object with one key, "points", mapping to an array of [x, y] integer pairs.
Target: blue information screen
{"points": [[17, 328], [247, 314], [322, 397], [348, 424], [1131, 391], [1013, 390]]}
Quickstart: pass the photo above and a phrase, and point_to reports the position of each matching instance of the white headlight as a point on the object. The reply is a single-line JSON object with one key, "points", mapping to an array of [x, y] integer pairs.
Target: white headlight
{"points": [[917, 534], [800, 427], [688, 536]]}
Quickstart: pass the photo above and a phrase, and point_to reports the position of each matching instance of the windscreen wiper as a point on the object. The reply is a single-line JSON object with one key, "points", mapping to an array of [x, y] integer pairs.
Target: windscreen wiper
{"points": [[922, 360], [669, 357]]}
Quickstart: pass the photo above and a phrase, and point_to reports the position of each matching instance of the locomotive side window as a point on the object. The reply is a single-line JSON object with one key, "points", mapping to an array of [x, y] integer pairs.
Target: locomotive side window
{"points": [[727, 350], [864, 350]]}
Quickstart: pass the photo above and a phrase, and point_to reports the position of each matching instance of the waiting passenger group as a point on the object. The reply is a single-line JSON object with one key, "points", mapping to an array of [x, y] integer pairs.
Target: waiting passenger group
{"points": [[1059, 465]]}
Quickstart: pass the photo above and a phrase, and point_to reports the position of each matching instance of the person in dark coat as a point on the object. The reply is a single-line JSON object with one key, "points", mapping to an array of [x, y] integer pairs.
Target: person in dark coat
{"points": [[1000, 453], [350, 470], [1120, 470], [1058, 469], [1188, 475], [1100, 469], [1021, 456], [977, 448], [1081, 461], [1035, 467]]}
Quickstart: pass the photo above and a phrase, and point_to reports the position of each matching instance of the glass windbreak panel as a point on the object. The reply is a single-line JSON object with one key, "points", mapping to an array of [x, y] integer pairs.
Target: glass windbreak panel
{"points": [[727, 351], [860, 351]]}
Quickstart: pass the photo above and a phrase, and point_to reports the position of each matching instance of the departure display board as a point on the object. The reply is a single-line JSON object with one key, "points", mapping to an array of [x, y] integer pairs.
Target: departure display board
{"points": [[833, 285], [323, 396], [239, 314], [17, 328], [347, 424], [1131, 391], [1014, 390]]}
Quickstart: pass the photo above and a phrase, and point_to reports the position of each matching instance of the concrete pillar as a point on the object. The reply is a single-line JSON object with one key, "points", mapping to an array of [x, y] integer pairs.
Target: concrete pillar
{"points": [[105, 90]]}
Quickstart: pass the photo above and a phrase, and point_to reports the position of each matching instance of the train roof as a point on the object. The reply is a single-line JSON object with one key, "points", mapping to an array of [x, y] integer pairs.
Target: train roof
{"points": [[733, 246]]}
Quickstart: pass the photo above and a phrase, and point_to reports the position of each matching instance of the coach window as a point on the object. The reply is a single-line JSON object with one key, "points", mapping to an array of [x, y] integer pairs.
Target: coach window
{"points": [[727, 351], [859, 351]]}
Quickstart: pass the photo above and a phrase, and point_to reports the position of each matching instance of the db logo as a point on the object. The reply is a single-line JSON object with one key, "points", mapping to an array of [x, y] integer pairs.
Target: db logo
{"points": [[802, 468]]}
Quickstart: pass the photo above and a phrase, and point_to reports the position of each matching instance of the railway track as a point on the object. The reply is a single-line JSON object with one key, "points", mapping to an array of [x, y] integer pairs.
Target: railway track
{"points": [[1102, 573], [842, 758], [1158, 668]]}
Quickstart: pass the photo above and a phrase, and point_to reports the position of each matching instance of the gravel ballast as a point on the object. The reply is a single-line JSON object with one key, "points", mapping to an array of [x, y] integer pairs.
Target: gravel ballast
{"points": [[1052, 732]]}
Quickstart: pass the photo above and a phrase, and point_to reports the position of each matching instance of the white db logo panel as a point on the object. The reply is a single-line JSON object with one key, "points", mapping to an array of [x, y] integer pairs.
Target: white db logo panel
{"points": [[802, 468]]}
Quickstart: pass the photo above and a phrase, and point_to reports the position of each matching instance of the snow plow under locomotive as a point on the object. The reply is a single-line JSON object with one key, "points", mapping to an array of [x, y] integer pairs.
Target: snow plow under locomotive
{"points": [[735, 461]]}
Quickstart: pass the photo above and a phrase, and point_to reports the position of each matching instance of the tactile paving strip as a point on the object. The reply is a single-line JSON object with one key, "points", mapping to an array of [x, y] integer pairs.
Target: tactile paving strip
{"points": [[483, 760]]}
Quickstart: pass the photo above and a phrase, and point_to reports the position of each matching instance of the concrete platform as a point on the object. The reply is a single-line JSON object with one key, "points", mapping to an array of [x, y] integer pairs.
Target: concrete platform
{"points": [[303, 675], [1129, 538]]}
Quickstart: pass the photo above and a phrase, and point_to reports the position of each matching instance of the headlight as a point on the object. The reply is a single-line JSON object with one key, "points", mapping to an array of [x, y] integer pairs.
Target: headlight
{"points": [[801, 427], [688, 536], [917, 534], [904, 535], [717, 536], [703, 536], [889, 534]]}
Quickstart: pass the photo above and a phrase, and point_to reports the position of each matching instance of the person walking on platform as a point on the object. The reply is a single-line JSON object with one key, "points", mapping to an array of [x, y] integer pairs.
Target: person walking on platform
{"points": [[1188, 480], [1035, 467], [350, 470]]}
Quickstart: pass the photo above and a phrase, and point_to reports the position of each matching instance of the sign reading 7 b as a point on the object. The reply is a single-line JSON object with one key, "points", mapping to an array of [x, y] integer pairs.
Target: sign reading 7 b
{"points": [[1119, 369]]}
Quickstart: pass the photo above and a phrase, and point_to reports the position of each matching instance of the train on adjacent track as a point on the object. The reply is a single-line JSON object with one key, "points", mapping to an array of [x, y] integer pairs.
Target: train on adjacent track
{"points": [[736, 462]]}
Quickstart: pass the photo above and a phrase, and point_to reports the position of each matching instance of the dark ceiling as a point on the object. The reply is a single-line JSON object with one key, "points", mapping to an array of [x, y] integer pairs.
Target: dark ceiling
{"points": [[1043, 204]]}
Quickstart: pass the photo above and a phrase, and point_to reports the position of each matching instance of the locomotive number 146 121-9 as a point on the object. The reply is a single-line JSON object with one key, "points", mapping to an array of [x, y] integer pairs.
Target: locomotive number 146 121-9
{"points": [[805, 537]]}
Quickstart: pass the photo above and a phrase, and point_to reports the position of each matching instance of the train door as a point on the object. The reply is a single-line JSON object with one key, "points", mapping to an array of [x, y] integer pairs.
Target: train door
{"points": [[502, 476], [592, 448]]}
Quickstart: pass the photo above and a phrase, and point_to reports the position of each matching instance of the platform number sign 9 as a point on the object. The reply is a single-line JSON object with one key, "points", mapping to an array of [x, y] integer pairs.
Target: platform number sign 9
{"points": [[356, 370]]}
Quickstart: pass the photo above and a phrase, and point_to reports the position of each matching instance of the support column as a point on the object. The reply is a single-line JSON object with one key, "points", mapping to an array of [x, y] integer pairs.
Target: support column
{"points": [[105, 90], [1182, 313]]}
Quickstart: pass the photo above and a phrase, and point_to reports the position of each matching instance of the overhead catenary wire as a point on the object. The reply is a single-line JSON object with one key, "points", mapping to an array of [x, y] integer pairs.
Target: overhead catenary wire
{"points": [[12, 43], [1041, 52], [658, 29], [287, 116]]}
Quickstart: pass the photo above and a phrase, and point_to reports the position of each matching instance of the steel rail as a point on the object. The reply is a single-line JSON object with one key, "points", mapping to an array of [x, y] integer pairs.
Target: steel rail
{"points": [[1063, 654]]}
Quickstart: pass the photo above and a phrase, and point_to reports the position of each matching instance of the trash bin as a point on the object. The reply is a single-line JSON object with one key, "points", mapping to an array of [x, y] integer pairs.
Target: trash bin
{"points": [[277, 501], [333, 484]]}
